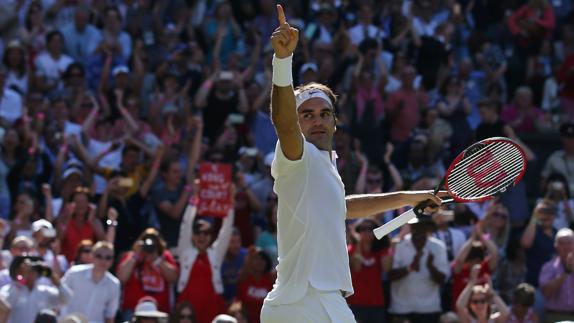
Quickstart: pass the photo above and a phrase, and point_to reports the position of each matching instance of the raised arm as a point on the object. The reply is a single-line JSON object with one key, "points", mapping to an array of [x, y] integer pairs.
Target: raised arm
{"points": [[283, 108]]}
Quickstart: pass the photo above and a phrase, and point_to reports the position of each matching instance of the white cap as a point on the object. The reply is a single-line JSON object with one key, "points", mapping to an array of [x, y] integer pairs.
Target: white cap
{"points": [[44, 226], [224, 318], [148, 309], [309, 66], [120, 69]]}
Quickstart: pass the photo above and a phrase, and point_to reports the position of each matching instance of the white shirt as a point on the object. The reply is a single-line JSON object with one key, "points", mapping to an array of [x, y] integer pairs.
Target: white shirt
{"points": [[457, 239], [10, 105], [50, 68], [97, 300], [417, 292], [357, 33], [310, 226], [26, 304]]}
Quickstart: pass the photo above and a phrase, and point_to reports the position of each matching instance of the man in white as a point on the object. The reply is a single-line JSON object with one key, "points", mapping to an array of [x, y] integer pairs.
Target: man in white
{"points": [[96, 291], [25, 296], [313, 274], [420, 267]]}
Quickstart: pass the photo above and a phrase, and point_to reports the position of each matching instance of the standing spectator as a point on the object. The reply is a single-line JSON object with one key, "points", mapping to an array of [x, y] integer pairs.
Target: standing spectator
{"points": [[33, 32], [420, 267], [475, 302], [557, 279], [561, 161], [96, 291], [454, 107], [512, 269], [538, 239], [80, 37], [200, 280], [255, 282], [521, 310], [51, 64], [25, 296], [148, 270], [15, 60], [369, 260], [11, 104], [112, 34], [47, 246], [232, 264]]}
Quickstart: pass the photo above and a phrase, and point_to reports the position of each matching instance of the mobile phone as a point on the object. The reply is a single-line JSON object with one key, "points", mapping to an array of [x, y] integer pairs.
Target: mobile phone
{"points": [[236, 118], [126, 182]]}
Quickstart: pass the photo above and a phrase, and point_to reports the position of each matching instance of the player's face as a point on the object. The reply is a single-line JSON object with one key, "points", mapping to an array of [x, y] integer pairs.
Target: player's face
{"points": [[317, 122]]}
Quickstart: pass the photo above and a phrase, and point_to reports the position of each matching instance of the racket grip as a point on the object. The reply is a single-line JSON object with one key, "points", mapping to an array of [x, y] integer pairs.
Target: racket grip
{"points": [[394, 224]]}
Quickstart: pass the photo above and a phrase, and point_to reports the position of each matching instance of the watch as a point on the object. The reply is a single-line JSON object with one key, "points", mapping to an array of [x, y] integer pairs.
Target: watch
{"points": [[113, 223]]}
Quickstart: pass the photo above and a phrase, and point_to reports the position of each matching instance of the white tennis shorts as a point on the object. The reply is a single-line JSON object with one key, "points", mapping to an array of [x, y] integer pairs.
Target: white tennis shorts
{"points": [[316, 307]]}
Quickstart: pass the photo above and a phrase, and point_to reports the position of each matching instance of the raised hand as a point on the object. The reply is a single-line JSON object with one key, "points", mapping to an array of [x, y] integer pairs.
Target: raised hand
{"points": [[284, 39]]}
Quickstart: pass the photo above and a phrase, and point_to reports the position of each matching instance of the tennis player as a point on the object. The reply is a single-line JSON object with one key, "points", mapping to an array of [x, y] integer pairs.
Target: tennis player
{"points": [[313, 274]]}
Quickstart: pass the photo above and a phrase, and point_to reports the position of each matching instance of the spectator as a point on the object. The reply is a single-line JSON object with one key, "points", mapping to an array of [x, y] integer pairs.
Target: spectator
{"points": [[246, 203], [25, 296], [33, 32], [200, 280], [454, 107], [522, 302], [84, 254], [496, 225], [149, 269], [47, 246], [522, 115], [146, 311], [538, 239], [476, 301], [255, 281], [232, 264], [369, 260], [420, 267], [96, 291], [477, 250], [11, 105], [15, 60], [183, 313], [562, 160], [112, 34], [557, 190], [512, 270], [453, 238], [557, 280], [80, 36], [52, 63]]}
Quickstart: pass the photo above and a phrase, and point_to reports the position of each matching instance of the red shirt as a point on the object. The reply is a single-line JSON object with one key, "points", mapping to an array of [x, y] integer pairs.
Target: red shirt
{"points": [[252, 291], [367, 282], [73, 235], [146, 280], [199, 291], [460, 280]]}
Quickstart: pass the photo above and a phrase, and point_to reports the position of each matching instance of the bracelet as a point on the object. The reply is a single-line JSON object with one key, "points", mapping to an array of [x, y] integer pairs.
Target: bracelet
{"points": [[112, 223], [282, 71]]}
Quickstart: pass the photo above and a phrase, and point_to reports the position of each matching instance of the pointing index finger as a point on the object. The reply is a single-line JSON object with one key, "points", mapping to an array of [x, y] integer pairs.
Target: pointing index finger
{"points": [[281, 15]]}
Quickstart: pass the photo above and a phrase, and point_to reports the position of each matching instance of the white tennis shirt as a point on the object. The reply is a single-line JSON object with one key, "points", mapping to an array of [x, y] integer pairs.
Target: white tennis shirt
{"points": [[310, 226]]}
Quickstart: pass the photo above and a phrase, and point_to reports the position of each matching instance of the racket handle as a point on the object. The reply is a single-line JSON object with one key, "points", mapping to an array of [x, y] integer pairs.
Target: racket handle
{"points": [[394, 224]]}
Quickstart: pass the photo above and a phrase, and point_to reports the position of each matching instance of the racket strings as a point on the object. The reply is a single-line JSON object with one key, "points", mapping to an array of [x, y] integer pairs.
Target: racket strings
{"points": [[465, 186]]}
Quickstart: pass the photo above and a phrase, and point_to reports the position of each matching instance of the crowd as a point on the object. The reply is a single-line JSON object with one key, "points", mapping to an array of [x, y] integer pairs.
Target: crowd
{"points": [[108, 107]]}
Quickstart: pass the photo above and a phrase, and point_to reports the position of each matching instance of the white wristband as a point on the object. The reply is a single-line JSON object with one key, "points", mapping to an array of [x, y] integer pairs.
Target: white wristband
{"points": [[283, 71]]}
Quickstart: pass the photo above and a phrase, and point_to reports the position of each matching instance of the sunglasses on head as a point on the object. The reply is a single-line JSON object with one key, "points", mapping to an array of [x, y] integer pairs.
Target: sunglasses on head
{"points": [[104, 257]]}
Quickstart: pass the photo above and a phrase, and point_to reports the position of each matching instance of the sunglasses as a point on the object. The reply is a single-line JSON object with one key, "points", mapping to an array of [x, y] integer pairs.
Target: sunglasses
{"points": [[104, 257], [203, 232], [478, 301], [500, 215], [86, 250], [186, 317]]}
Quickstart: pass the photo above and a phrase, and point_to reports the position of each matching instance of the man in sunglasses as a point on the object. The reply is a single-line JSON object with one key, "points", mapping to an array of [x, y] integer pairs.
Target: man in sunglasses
{"points": [[96, 290]]}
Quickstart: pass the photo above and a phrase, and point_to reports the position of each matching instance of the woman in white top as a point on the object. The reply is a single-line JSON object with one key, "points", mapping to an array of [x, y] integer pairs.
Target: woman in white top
{"points": [[475, 302], [15, 60]]}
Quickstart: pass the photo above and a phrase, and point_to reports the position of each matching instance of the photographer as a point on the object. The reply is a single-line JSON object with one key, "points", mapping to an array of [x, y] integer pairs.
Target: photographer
{"points": [[148, 270], [556, 189], [25, 296]]}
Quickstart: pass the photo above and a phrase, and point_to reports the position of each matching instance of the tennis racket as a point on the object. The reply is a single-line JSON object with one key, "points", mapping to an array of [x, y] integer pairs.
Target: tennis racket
{"points": [[479, 173]]}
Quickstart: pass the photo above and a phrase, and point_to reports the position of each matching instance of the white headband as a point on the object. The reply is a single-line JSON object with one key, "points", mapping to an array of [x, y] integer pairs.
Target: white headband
{"points": [[309, 94]]}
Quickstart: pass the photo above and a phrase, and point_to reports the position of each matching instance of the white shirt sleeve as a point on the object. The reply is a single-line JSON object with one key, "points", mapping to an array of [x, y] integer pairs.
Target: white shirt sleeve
{"points": [[282, 166], [113, 303]]}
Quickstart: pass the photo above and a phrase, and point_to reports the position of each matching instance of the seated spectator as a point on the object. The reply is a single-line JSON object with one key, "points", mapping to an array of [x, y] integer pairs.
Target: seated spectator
{"points": [[96, 291], [149, 269], [521, 310], [234, 259], [200, 280], [522, 115], [369, 259], [477, 250], [255, 282], [557, 279], [475, 303], [146, 311], [25, 296], [420, 267], [183, 313], [538, 239]]}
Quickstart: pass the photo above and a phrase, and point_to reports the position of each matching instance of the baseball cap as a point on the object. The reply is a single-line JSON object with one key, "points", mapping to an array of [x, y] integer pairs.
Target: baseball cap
{"points": [[309, 67], [45, 227], [567, 130], [224, 318], [249, 151], [120, 69]]}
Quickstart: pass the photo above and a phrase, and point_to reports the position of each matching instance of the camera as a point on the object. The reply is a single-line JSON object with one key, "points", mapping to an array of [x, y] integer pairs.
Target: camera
{"points": [[41, 268], [149, 245]]}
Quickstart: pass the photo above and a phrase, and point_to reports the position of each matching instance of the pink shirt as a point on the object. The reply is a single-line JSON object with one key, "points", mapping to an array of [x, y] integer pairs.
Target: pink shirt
{"points": [[530, 117], [404, 106], [563, 300]]}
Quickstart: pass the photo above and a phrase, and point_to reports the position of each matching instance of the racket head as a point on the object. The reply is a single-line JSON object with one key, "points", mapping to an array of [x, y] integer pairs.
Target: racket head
{"points": [[485, 170]]}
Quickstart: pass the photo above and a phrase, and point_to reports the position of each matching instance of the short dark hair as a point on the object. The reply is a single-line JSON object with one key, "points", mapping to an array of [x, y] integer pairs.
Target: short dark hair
{"points": [[524, 295]]}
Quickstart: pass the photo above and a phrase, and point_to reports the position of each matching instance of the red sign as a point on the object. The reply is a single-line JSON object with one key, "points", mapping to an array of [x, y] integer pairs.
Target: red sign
{"points": [[214, 199]]}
